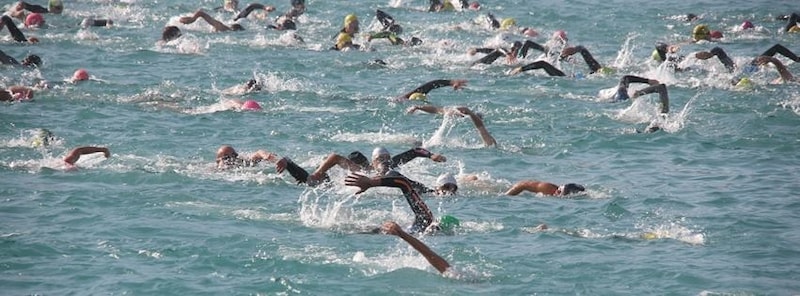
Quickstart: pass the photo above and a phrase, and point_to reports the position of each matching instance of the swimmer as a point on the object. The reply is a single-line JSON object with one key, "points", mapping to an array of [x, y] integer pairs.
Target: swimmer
{"points": [[792, 25], [382, 162], [229, 5], [594, 66], [79, 75], [18, 36], [655, 87], [170, 33], [217, 25], [391, 30], [518, 49], [434, 259], [476, 118], [16, 93], [227, 158], [702, 32], [785, 75], [76, 154], [421, 93], [344, 40], [423, 217], [30, 60], [545, 188], [729, 64], [547, 67], [92, 22]]}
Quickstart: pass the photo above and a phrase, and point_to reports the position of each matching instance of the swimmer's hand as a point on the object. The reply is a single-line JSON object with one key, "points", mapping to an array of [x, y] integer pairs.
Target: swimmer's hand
{"points": [[280, 166], [458, 83], [703, 55], [411, 109], [471, 51], [568, 51], [390, 228], [515, 71], [438, 157], [360, 181], [187, 20]]}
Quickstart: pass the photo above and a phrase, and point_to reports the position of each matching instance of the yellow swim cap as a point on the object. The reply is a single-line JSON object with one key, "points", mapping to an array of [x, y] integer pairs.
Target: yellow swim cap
{"points": [[507, 23], [418, 97], [649, 235], [794, 29], [606, 71], [342, 40], [700, 32], [655, 56], [349, 19], [745, 83], [448, 6]]}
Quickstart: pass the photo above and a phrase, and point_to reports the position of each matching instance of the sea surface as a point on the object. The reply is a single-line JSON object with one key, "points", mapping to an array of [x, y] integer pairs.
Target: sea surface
{"points": [[706, 206]]}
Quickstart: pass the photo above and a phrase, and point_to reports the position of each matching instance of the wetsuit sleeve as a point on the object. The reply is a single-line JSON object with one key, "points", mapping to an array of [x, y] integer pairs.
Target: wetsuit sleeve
{"points": [[485, 49], [489, 58], [427, 87], [547, 67], [793, 19], [493, 21], [34, 8], [423, 216], [724, 59], [244, 13], [589, 59], [409, 155], [296, 171], [777, 48], [385, 19], [523, 52], [663, 96], [628, 79], [7, 60], [12, 28]]}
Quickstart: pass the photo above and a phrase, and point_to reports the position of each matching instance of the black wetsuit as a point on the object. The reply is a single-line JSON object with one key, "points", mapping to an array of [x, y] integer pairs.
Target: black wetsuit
{"points": [[423, 217], [12, 28], [549, 68], [429, 86], [594, 66], [520, 49], [793, 20]]}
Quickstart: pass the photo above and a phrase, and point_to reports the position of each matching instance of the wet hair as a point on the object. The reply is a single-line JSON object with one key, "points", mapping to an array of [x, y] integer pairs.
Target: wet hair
{"points": [[572, 188], [170, 33], [32, 60], [237, 27], [358, 158], [690, 17]]}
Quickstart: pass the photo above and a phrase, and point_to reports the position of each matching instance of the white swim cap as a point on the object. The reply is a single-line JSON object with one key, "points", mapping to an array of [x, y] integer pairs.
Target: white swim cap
{"points": [[446, 178], [378, 151]]}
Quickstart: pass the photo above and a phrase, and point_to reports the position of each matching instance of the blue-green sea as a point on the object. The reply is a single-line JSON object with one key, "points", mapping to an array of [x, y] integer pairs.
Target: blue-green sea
{"points": [[706, 206]]}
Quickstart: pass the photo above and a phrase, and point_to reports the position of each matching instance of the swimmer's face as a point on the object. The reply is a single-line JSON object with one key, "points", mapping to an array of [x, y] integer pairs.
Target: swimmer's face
{"points": [[352, 27], [381, 163], [447, 189]]}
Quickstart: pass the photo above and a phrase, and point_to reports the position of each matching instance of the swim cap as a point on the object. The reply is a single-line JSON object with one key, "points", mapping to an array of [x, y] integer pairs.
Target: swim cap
{"points": [[342, 40], [349, 19], [715, 34], [794, 29], [649, 235], [475, 5], [34, 20], [446, 178], [745, 83], [507, 23], [700, 32], [655, 56], [560, 34], [448, 223], [417, 96], [251, 105], [747, 25], [32, 60], [379, 151], [529, 32], [606, 70], [55, 6], [572, 188], [80, 75]]}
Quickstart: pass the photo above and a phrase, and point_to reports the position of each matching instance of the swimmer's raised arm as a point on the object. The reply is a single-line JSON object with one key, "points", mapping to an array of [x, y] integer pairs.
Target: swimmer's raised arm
{"points": [[478, 121], [76, 153], [786, 76], [434, 259]]}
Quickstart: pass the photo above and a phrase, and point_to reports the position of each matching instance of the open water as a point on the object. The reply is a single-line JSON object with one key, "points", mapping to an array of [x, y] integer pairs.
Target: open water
{"points": [[707, 206]]}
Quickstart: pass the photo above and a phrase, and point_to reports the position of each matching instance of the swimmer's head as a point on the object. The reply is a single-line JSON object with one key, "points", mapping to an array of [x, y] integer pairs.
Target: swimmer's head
{"points": [[251, 105], [655, 55], [417, 96], [55, 6], [475, 5], [288, 24], [343, 40], [606, 70], [237, 27], [747, 25], [80, 75], [170, 33], [571, 188], [560, 35], [691, 17], [529, 32], [415, 41], [700, 32], [231, 5], [448, 223], [715, 34], [351, 23], [253, 85], [794, 29], [42, 138], [34, 20], [744, 83], [226, 155], [380, 153], [507, 23], [32, 60], [395, 28], [446, 184]]}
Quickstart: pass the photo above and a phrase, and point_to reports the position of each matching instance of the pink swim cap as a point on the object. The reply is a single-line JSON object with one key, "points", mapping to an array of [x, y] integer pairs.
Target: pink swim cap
{"points": [[475, 5], [34, 20], [80, 75], [715, 34], [529, 32], [251, 105], [747, 25], [560, 34]]}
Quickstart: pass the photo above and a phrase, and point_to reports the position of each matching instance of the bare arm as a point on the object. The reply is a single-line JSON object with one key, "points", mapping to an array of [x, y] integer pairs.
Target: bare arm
{"points": [[218, 26], [487, 138], [263, 155], [76, 153], [533, 186], [434, 259], [332, 160], [786, 76], [426, 108]]}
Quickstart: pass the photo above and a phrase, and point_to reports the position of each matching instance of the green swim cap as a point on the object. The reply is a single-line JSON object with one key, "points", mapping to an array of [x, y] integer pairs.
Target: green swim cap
{"points": [[655, 56], [606, 70], [448, 223]]}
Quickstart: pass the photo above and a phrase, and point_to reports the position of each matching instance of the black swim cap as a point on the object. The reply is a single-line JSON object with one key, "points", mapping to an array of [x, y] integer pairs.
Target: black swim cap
{"points": [[572, 188], [415, 41], [170, 33], [32, 60], [395, 28], [358, 158]]}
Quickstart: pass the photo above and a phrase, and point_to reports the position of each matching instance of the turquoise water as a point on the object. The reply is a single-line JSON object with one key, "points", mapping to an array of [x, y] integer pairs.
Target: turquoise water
{"points": [[714, 193]]}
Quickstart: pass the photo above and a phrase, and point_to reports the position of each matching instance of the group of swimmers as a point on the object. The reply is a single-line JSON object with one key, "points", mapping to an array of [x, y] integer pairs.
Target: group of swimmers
{"points": [[380, 170]]}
